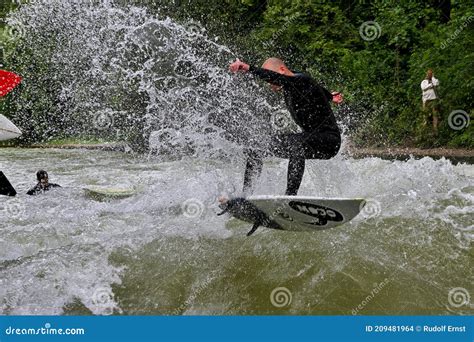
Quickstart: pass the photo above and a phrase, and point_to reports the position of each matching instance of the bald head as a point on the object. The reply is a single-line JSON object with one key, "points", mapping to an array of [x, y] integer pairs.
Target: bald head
{"points": [[276, 65]]}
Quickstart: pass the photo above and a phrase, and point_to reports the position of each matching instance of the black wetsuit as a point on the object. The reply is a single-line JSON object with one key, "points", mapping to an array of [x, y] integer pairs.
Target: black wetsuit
{"points": [[5, 186], [310, 106], [40, 188]]}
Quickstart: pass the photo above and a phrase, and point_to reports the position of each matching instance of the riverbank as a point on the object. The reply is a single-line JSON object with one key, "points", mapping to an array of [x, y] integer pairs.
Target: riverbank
{"points": [[454, 154], [89, 144], [104, 146]]}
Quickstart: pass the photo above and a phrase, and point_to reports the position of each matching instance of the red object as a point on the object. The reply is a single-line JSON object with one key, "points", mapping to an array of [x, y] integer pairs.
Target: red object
{"points": [[337, 97], [8, 81]]}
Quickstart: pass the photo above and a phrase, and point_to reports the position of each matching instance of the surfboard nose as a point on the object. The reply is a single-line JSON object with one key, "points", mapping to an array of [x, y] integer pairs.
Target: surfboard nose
{"points": [[7, 129]]}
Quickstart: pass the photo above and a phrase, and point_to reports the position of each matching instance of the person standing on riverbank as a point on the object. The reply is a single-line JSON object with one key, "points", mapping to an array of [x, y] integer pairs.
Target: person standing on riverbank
{"points": [[430, 99]]}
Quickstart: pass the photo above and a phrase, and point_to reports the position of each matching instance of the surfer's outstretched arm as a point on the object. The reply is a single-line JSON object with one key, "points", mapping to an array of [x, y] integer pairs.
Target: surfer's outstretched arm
{"points": [[264, 74], [272, 77]]}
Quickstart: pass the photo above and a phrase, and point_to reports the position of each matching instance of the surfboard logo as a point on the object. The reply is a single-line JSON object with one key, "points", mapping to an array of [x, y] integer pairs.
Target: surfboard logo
{"points": [[321, 214]]}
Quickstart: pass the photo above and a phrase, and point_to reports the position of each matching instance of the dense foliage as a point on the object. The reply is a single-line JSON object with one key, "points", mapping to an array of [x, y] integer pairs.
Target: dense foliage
{"points": [[375, 52]]}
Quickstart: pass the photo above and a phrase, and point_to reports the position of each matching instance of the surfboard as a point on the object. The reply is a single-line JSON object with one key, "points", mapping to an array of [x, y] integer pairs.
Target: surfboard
{"points": [[101, 193], [7, 129], [5, 186], [8, 82], [293, 213]]}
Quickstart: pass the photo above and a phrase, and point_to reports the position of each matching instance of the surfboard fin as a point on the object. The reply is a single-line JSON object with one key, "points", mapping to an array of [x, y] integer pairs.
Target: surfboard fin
{"points": [[254, 228]]}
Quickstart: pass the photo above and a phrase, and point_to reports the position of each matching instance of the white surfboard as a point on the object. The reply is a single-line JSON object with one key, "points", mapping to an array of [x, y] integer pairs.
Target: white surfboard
{"points": [[295, 213], [7, 129], [101, 193]]}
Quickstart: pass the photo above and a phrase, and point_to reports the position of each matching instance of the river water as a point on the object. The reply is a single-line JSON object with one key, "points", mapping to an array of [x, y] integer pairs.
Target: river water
{"points": [[164, 250]]}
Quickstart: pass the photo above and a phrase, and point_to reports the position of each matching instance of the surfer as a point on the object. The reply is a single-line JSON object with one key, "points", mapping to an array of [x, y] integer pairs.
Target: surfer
{"points": [[43, 184], [310, 107], [6, 188]]}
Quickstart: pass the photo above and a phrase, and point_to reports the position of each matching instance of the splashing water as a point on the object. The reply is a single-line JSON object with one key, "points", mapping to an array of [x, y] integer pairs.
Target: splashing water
{"points": [[122, 72]]}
